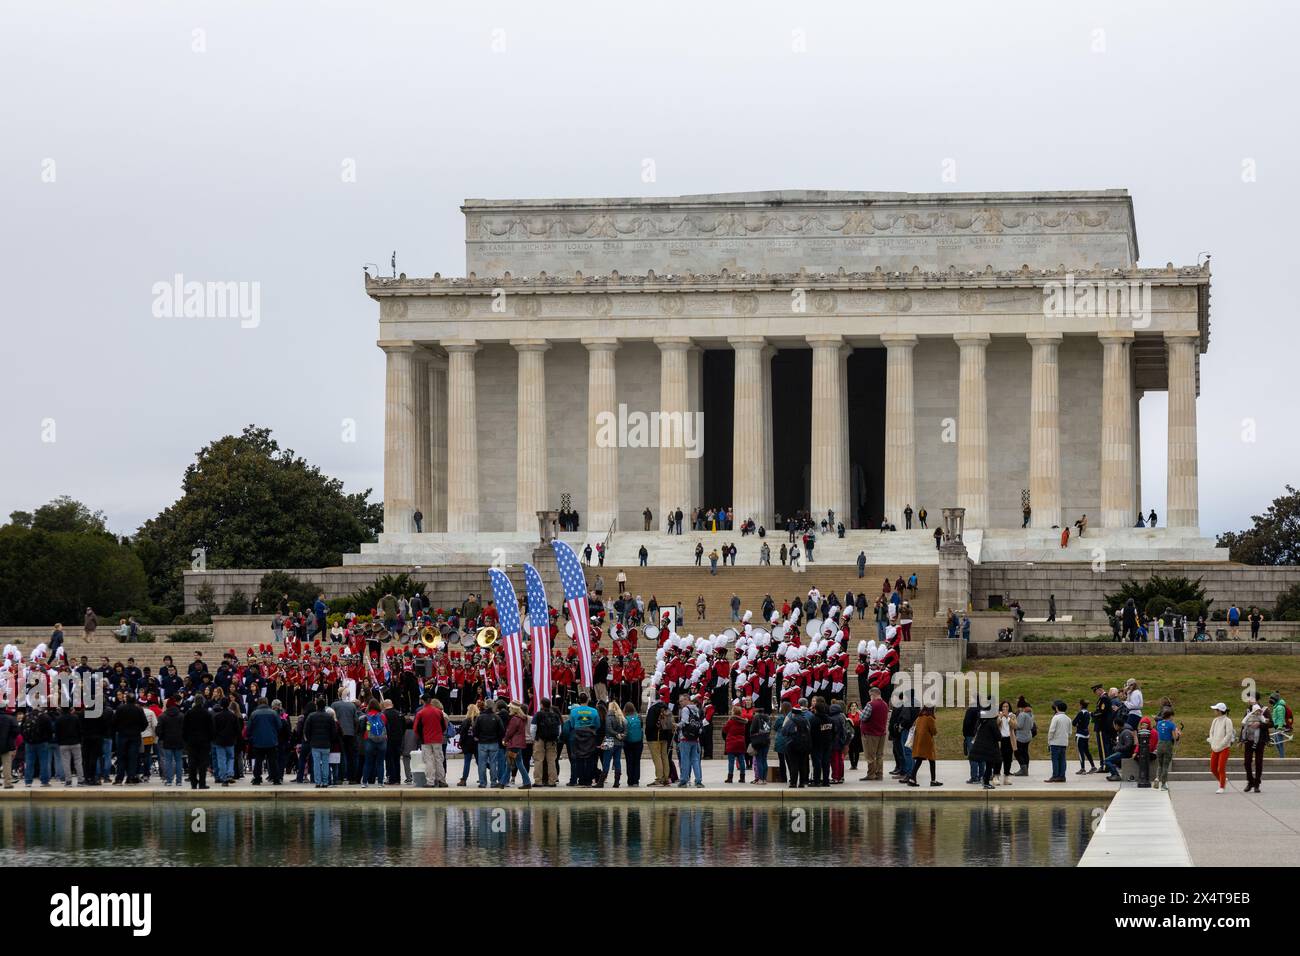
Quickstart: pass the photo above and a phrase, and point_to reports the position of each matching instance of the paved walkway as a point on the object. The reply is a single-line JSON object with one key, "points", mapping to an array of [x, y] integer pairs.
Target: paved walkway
{"points": [[1236, 828], [1138, 826], [952, 773]]}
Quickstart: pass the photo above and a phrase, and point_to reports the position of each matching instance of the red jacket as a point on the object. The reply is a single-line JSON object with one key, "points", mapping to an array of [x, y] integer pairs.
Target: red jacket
{"points": [[877, 722], [430, 725], [735, 731]]}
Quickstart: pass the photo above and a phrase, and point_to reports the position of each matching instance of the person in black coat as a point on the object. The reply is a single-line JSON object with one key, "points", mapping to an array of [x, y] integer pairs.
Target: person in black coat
{"points": [[225, 737], [171, 742], [8, 744], [987, 746], [129, 722], [198, 730], [970, 723]]}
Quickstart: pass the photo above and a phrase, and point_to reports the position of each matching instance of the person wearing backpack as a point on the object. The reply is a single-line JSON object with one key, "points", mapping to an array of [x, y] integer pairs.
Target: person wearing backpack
{"points": [[760, 739], [1283, 722], [376, 744], [690, 727], [489, 731], [797, 732], [633, 742], [546, 743], [659, 730]]}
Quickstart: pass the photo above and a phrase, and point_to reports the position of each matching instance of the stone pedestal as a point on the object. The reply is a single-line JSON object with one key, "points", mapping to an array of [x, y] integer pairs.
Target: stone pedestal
{"points": [[954, 579], [548, 527]]}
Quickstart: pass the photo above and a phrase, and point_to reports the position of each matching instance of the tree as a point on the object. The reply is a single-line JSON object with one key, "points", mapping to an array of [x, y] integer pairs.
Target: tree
{"points": [[1273, 538], [67, 514], [276, 584], [247, 503], [1287, 607], [53, 576], [1158, 593]]}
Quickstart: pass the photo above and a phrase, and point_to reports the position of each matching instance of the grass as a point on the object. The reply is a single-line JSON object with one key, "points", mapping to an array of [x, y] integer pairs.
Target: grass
{"points": [[1193, 683]]}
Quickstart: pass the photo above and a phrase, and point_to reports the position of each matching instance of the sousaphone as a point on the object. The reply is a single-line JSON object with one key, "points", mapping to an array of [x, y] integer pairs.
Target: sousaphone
{"points": [[431, 637], [486, 636]]}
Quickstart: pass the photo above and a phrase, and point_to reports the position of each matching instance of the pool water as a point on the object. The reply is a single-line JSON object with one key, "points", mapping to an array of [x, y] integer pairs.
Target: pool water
{"points": [[920, 832]]}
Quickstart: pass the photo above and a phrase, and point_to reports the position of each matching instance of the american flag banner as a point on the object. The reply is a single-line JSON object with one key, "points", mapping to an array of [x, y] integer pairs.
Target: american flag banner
{"points": [[539, 633], [512, 639], [575, 599]]}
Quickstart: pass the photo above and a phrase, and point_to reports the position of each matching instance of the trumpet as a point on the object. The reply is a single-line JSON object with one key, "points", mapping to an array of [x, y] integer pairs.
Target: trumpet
{"points": [[431, 637], [486, 636]]}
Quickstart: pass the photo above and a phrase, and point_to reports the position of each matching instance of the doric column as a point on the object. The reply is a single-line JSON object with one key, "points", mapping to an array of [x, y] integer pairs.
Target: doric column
{"points": [[1183, 503], [1118, 506], [677, 418], [973, 429], [602, 443], [769, 446], [530, 461], [436, 517], [749, 442], [423, 457], [900, 427], [462, 437], [1045, 431], [1137, 445], [828, 410], [400, 440]]}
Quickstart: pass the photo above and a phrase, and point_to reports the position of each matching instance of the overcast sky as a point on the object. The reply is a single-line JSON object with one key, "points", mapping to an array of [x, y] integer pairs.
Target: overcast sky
{"points": [[211, 139]]}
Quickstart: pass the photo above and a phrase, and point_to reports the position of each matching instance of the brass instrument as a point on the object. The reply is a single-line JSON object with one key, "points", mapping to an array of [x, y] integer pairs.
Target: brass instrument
{"points": [[431, 637], [486, 636]]}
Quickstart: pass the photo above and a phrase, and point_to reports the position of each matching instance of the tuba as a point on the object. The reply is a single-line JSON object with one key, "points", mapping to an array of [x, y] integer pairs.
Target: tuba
{"points": [[486, 636], [431, 637]]}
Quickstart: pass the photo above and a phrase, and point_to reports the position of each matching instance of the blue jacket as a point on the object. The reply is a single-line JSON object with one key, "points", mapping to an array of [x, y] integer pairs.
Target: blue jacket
{"points": [[264, 728], [584, 716]]}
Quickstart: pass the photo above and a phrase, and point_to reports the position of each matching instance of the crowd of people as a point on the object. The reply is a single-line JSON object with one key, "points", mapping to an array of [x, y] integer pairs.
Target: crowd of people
{"points": [[352, 704]]}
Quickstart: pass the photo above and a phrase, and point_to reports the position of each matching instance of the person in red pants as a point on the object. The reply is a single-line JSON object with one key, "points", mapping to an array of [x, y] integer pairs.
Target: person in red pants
{"points": [[1222, 736]]}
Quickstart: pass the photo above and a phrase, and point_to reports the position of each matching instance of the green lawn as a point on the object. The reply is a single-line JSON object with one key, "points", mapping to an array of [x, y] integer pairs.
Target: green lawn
{"points": [[1193, 683]]}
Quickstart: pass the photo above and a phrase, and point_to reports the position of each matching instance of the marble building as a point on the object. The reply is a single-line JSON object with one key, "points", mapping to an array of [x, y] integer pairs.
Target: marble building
{"points": [[854, 351]]}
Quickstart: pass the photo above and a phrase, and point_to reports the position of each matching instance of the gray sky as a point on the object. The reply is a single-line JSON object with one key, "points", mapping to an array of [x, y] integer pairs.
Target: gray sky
{"points": [[221, 155]]}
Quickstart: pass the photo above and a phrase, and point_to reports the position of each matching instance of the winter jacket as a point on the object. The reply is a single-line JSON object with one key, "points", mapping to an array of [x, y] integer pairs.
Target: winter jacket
{"points": [[736, 731], [171, 728], [197, 726]]}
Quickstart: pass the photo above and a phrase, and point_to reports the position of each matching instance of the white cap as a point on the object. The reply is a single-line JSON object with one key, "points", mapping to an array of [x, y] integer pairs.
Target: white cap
{"points": [[1221, 707]]}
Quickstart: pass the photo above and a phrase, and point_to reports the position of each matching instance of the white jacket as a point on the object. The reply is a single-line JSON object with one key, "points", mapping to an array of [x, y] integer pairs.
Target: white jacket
{"points": [[1222, 734], [1059, 731]]}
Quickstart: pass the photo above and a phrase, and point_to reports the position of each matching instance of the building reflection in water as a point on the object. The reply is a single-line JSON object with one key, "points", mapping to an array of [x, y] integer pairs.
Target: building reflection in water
{"points": [[899, 833]]}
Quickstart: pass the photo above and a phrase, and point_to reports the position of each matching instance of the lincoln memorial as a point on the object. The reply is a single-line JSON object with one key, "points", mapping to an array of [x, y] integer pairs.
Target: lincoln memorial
{"points": [[859, 352]]}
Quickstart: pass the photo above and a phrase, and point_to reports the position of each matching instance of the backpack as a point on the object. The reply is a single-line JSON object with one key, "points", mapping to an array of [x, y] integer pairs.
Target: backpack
{"points": [[801, 738], [761, 734], [1290, 717], [692, 726], [375, 727], [548, 725], [1119, 711], [664, 722]]}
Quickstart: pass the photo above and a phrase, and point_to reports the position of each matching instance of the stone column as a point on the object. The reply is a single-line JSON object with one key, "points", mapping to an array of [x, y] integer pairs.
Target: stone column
{"points": [[423, 454], [530, 461], [400, 442], [828, 410], [1045, 431], [436, 517], [1183, 504], [849, 511], [769, 444], [462, 441], [1137, 447], [1118, 506], [972, 428], [900, 427], [602, 443], [749, 441], [676, 423]]}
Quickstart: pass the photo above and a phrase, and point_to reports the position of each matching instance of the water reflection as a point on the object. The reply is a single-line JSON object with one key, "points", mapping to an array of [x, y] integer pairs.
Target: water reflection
{"points": [[239, 834]]}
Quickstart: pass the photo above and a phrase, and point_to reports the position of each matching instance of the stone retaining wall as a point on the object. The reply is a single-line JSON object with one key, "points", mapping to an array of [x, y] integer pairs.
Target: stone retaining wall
{"points": [[1115, 649]]}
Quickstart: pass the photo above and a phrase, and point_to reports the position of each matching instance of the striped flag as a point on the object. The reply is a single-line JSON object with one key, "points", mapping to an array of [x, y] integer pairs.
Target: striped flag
{"points": [[512, 639], [575, 599], [539, 633]]}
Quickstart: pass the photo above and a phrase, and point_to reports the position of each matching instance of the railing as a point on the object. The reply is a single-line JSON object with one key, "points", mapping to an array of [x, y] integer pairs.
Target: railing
{"points": [[609, 535]]}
